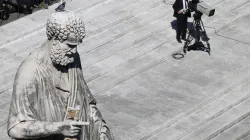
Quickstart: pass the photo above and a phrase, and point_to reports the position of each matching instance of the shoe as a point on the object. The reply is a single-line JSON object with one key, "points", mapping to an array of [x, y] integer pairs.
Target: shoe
{"points": [[35, 5], [27, 10], [179, 40]]}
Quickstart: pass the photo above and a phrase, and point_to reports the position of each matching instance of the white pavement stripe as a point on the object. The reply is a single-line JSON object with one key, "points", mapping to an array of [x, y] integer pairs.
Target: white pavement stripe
{"points": [[238, 131], [222, 122], [14, 32]]}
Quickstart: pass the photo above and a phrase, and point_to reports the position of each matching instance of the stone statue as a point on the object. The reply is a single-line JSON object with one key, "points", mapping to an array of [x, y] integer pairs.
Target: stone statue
{"points": [[51, 100]]}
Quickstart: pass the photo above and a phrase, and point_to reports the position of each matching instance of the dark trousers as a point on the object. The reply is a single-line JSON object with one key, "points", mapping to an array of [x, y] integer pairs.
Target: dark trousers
{"points": [[47, 2], [181, 26], [37, 2]]}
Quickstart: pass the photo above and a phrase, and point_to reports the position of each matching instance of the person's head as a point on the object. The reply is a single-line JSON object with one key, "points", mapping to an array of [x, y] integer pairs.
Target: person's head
{"points": [[65, 31]]}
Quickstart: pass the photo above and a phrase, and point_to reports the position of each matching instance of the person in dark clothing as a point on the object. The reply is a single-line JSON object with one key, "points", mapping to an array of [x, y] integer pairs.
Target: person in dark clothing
{"points": [[181, 12]]}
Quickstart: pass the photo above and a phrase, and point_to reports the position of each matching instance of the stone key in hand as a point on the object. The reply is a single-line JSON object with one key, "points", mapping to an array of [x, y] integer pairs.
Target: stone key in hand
{"points": [[77, 123]]}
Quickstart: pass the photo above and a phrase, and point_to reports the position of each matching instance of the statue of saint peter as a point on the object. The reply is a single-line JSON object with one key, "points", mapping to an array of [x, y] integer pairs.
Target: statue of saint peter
{"points": [[51, 100]]}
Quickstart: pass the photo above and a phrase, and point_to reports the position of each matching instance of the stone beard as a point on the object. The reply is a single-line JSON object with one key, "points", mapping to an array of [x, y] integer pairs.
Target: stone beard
{"points": [[60, 57]]}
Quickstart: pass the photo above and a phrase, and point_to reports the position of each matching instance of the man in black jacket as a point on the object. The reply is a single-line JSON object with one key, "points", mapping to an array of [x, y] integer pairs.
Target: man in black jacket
{"points": [[181, 12]]}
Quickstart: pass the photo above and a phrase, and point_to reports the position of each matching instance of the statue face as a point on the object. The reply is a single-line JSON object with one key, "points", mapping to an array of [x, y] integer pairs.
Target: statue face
{"points": [[63, 53], [65, 31]]}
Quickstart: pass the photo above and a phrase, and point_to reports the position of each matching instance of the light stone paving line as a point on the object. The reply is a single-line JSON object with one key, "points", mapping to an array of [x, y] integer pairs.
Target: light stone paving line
{"points": [[215, 17], [244, 135], [88, 35], [95, 76], [122, 34], [246, 13], [80, 9], [19, 52], [136, 41], [112, 11], [10, 74], [121, 82], [228, 126], [224, 121], [197, 126], [3, 123], [132, 74], [212, 114], [39, 28], [127, 46], [88, 21], [107, 55], [214, 82], [99, 75], [39, 43], [120, 20], [6, 114], [215, 67], [101, 15], [238, 131], [217, 2], [162, 45], [193, 110], [133, 29], [96, 4], [225, 26], [10, 85], [215, 97], [3, 132]]}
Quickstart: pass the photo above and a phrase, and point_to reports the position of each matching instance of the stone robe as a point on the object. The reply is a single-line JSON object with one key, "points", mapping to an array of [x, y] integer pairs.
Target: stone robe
{"points": [[41, 95]]}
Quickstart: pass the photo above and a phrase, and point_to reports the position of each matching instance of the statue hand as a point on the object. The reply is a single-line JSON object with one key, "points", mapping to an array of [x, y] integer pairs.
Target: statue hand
{"points": [[70, 128]]}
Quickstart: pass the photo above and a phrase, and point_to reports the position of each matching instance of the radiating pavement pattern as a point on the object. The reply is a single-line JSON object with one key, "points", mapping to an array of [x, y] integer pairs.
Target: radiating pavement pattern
{"points": [[143, 93]]}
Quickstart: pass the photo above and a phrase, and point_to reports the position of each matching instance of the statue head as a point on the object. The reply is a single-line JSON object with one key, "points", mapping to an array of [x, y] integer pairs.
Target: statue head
{"points": [[65, 31]]}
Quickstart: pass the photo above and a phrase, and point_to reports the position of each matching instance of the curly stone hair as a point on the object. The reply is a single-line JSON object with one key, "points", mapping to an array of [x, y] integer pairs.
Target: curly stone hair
{"points": [[61, 24]]}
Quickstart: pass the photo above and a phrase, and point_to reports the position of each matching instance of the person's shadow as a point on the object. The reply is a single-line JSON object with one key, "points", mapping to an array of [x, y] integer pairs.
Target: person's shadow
{"points": [[189, 27], [196, 46], [174, 25]]}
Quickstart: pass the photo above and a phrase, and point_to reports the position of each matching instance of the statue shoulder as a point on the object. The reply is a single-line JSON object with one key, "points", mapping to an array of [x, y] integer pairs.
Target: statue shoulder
{"points": [[27, 70]]}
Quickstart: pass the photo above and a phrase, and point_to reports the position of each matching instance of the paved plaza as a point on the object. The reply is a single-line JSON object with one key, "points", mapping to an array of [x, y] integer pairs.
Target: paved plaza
{"points": [[142, 92]]}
